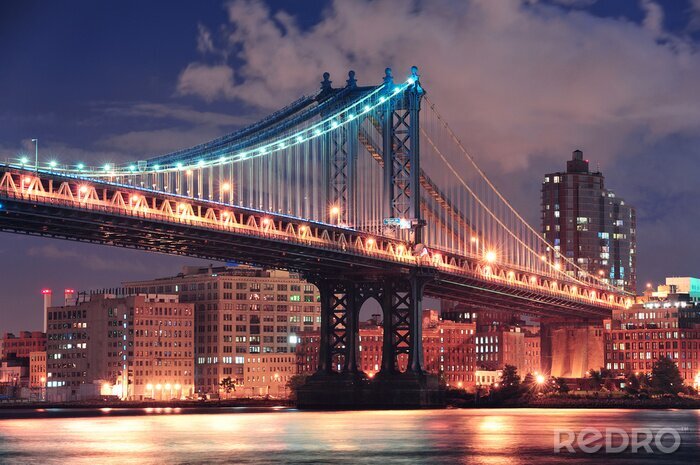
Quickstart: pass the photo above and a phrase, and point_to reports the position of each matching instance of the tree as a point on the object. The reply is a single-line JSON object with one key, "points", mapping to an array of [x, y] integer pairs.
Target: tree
{"points": [[510, 382], [665, 377], [294, 383], [510, 376], [597, 378], [632, 383], [561, 386], [529, 382], [227, 385]]}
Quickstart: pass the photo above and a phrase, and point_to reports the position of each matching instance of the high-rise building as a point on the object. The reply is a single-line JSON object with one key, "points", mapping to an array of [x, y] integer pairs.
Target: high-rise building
{"points": [[130, 346], [239, 311], [589, 225]]}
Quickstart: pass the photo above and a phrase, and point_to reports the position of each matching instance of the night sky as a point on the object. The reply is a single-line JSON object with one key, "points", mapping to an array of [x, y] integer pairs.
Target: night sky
{"points": [[522, 82]]}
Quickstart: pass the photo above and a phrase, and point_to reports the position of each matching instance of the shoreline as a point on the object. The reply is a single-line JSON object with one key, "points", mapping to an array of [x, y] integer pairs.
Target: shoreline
{"points": [[40, 410]]}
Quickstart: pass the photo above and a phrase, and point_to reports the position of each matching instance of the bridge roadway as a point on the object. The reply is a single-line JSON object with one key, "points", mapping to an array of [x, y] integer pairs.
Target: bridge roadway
{"points": [[58, 206]]}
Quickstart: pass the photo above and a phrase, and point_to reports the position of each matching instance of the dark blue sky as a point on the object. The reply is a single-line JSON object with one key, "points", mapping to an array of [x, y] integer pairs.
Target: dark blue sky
{"points": [[104, 81]]}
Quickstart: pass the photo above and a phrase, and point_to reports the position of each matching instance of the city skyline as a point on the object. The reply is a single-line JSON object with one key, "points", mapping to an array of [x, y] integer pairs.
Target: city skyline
{"points": [[184, 97]]}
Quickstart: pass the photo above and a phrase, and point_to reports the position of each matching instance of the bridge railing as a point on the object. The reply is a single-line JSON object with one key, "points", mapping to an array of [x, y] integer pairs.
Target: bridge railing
{"points": [[143, 204]]}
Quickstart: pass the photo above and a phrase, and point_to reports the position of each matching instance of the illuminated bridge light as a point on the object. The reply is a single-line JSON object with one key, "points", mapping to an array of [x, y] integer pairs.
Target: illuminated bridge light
{"points": [[132, 168], [366, 109], [317, 132], [533, 279], [83, 189], [266, 221], [351, 117], [225, 187], [188, 172], [200, 163], [80, 166], [23, 160], [410, 80], [53, 163], [26, 180], [557, 266], [334, 124], [300, 139], [303, 228], [370, 242], [490, 256], [179, 165]]}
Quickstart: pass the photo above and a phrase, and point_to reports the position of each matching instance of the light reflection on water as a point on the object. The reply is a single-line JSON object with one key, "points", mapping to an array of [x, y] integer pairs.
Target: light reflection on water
{"points": [[492, 437]]}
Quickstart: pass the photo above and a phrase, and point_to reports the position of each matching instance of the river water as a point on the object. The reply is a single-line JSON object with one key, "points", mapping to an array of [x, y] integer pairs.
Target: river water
{"points": [[240, 436]]}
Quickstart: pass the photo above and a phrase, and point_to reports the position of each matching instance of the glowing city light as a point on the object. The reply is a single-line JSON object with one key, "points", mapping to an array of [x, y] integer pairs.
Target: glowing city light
{"points": [[107, 167], [23, 160], [226, 187], [540, 379], [335, 210], [53, 163], [83, 189], [490, 256], [80, 166]]}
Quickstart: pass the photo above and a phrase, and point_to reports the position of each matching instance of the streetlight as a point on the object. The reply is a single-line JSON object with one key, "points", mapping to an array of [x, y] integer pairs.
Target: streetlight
{"points": [[490, 256], [36, 154], [335, 211]]}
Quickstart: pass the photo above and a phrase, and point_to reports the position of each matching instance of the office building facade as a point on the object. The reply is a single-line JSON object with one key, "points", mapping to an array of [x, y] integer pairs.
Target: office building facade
{"points": [[239, 311]]}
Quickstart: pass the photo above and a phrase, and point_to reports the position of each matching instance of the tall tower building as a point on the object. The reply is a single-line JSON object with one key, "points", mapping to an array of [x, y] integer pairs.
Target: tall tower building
{"points": [[588, 224]]}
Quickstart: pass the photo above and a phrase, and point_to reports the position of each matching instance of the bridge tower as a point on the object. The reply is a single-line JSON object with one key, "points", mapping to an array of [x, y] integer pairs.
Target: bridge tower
{"points": [[339, 382]]}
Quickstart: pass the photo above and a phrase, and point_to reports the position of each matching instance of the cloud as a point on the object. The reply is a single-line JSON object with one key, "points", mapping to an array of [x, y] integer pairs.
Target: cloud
{"points": [[205, 44], [654, 19], [158, 141], [174, 112], [207, 81]]}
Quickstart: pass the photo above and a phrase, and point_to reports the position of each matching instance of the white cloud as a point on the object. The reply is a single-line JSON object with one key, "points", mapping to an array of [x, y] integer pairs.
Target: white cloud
{"points": [[207, 81], [654, 18], [205, 44]]}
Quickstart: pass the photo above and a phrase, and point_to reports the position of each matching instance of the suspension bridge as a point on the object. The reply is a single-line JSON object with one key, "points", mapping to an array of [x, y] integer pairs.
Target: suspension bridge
{"points": [[366, 190]]}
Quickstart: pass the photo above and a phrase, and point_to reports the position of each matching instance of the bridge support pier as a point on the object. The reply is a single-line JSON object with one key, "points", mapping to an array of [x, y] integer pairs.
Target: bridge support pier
{"points": [[339, 382]]}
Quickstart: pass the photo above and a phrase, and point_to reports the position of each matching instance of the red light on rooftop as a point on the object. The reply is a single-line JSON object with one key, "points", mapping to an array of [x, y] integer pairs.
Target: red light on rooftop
{"points": [[69, 291], [46, 291]]}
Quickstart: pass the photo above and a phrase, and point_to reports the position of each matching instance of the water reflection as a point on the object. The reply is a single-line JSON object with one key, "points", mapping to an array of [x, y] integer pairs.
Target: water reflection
{"points": [[492, 437]]}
